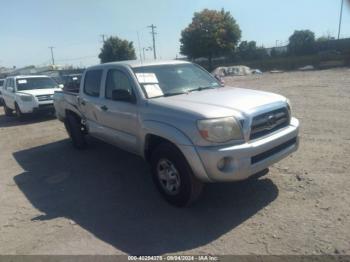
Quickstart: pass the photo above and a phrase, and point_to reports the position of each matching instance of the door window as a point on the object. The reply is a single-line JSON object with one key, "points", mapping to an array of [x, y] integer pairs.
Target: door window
{"points": [[92, 82], [117, 80]]}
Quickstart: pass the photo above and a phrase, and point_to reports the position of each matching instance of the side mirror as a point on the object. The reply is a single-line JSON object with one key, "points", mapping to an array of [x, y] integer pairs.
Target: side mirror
{"points": [[122, 95], [61, 86], [11, 89]]}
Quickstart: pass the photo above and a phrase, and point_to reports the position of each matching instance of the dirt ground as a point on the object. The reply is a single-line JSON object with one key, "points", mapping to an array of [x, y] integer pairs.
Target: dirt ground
{"points": [[56, 200]]}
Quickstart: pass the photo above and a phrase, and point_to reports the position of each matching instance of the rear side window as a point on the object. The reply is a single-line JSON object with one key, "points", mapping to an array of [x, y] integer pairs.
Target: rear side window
{"points": [[92, 82]]}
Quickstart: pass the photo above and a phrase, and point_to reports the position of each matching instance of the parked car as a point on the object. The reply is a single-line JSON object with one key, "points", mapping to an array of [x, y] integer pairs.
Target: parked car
{"points": [[181, 120], [28, 94], [71, 82], [1, 85]]}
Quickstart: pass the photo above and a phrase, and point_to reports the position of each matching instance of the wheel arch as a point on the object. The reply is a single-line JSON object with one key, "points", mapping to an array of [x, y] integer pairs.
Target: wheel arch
{"points": [[156, 133]]}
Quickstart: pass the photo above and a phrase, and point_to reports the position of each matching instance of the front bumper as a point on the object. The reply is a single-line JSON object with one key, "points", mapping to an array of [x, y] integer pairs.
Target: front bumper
{"points": [[34, 107], [245, 160]]}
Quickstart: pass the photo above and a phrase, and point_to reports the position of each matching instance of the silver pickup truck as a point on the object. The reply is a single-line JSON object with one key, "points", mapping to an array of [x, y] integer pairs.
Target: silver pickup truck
{"points": [[182, 120]]}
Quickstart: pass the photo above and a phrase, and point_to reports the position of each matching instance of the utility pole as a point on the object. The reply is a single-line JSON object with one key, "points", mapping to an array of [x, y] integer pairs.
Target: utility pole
{"points": [[153, 33], [340, 17], [103, 37], [52, 58], [138, 40]]}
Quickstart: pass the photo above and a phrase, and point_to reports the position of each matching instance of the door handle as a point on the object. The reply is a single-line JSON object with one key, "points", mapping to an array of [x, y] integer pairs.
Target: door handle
{"points": [[104, 108]]}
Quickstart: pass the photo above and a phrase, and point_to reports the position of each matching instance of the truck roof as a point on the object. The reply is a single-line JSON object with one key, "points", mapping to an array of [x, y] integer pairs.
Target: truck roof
{"points": [[139, 63]]}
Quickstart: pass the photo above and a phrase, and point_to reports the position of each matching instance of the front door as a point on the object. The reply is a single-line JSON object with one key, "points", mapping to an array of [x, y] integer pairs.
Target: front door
{"points": [[120, 118]]}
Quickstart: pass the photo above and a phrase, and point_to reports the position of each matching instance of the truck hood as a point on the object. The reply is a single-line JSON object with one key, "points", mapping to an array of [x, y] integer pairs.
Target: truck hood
{"points": [[221, 101], [38, 92]]}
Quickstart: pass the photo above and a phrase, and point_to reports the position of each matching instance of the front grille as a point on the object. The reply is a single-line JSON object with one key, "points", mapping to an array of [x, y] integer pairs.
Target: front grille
{"points": [[269, 122], [45, 97], [46, 106], [273, 151]]}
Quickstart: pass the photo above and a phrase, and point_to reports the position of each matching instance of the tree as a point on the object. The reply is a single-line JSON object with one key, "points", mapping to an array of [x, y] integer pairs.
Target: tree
{"points": [[325, 38], [249, 51], [246, 50], [116, 49], [302, 42], [211, 33]]}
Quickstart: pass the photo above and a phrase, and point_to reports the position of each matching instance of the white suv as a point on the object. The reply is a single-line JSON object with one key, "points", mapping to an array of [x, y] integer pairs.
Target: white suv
{"points": [[28, 94]]}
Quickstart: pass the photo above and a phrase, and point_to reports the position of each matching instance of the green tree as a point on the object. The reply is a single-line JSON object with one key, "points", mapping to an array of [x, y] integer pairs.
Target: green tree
{"points": [[246, 50], [325, 38], [211, 33], [302, 42], [116, 49], [249, 51]]}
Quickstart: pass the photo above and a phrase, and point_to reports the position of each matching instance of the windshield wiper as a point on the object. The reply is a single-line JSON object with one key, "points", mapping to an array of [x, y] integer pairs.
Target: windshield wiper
{"points": [[202, 88], [190, 91], [174, 93]]}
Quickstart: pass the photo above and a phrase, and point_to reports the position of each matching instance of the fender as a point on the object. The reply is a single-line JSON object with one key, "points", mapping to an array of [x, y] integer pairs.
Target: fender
{"points": [[179, 139], [166, 131]]}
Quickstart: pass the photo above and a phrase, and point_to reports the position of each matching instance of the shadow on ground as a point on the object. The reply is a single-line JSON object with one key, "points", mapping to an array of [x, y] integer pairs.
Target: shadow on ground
{"points": [[110, 193], [8, 121]]}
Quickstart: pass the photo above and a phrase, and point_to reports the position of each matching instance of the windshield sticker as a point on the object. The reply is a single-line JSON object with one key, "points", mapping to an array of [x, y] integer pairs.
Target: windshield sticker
{"points": [[22, 81], [153, 90], [147, 78]]}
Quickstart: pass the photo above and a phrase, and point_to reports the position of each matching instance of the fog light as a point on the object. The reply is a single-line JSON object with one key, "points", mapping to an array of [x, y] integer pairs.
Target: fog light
{"points": [[225, 164]]}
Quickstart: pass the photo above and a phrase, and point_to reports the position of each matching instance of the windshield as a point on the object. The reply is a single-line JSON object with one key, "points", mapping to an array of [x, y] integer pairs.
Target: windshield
{"points": [[35, 83], [167, 80]]}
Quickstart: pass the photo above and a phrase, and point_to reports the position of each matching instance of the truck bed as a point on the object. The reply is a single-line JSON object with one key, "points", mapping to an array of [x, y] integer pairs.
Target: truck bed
{"points": [[65, 100]]}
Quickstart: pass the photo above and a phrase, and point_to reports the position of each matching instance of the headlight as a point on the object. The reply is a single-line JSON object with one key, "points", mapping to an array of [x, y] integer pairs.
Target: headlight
{"points": [[220, 130], [26, 98]]}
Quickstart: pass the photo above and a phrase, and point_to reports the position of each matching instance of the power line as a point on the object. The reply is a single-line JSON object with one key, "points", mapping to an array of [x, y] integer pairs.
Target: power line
{"points": [[153, 33], [78, 58], [340, 17], [52, 57]]}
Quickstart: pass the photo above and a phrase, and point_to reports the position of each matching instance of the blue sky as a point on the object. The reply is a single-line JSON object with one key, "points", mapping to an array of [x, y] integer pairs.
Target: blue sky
{"points": [[74, 26]]}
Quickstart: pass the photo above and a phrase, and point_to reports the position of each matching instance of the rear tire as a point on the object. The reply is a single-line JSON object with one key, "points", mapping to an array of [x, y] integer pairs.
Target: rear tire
{"points": [[74, 129], [173, 176], [8, 111]]}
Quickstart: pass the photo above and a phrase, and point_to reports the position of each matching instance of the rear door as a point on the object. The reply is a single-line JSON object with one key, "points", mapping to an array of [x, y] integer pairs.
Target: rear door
{"points": [[90, 102]]}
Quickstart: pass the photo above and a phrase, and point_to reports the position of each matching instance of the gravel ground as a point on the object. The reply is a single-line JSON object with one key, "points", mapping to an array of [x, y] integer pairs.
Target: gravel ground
{"points": [[56, 200]]}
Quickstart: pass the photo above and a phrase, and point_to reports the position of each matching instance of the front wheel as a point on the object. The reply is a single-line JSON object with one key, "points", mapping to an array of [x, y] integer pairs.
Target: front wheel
{"points": [[19, 113], [174, 177]]}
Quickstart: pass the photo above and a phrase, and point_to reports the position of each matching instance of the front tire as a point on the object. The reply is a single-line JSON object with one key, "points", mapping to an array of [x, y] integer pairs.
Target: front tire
{"points": [[174, 177], [19, 113], [74, 129]]}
